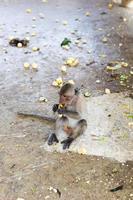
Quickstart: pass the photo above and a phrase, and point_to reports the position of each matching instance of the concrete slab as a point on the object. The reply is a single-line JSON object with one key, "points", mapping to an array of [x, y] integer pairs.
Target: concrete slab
{"points": [[109, 131]]}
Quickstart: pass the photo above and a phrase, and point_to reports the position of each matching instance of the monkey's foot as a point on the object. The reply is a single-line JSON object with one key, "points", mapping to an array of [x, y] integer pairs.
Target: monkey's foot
{"points": [[55, 107], [66, 143], [52, 138]]}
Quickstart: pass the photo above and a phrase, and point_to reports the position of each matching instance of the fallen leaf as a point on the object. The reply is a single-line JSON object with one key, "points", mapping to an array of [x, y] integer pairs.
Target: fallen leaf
{"points": [[87, 94], [58, 82], [112, 67], [65, 42], [43, 99], [124, 64], [35, 49], [72, 62]]}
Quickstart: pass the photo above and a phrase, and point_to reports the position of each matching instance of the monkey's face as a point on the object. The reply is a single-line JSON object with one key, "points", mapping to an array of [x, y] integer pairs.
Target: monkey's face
{"points": [[67, 98]]}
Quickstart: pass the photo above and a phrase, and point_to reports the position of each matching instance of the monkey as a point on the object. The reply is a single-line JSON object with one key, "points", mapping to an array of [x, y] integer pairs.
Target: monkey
{"points": [[71, 107], [14, 42], [124, 3]]}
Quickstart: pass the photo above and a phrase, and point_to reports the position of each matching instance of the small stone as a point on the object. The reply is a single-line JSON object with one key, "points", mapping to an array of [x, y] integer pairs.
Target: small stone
{"points": [[33, 34], [35, 66], [41, 15], [26, 65], [64, 69], [98, 81], [20, 199], [35, 49], [47, 197], [110, 5], [28, 10], [104, 40], [34, 18], [65, 23], [107, 91], [124, 19], [19, 45], [88, 14]]}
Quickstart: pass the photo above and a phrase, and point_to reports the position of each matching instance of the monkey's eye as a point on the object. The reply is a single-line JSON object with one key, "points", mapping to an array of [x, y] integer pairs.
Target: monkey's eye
{"points": [[67, 97]]}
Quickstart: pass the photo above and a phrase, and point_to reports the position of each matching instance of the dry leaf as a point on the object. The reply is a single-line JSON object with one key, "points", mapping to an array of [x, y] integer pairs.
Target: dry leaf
{"points": [[58, 82], [72, 62]]}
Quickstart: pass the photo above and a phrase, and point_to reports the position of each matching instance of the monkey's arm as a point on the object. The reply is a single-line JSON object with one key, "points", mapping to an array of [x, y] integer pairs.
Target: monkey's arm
{"points": [[70, 113]]}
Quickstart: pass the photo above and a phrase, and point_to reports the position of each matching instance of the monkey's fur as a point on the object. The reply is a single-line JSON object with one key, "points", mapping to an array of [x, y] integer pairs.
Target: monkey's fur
{"points": [[71, 107]]}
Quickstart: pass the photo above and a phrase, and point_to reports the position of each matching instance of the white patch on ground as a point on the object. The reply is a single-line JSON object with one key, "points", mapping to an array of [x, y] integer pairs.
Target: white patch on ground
{"points": [[108, 133]]}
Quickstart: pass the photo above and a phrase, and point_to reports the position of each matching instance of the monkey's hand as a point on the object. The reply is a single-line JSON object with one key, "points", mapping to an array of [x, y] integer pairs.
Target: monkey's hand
{"points": [[61, 111], [66, 143], [55, 107]]}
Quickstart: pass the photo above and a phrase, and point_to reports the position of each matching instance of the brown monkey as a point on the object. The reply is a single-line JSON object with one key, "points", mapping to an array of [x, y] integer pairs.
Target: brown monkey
{"points": [[124, 3], [71, 106]]}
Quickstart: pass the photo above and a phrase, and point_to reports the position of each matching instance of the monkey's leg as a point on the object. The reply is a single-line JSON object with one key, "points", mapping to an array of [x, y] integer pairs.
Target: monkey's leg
{"points": [[60, 123], [77, 131], [52, 138]]}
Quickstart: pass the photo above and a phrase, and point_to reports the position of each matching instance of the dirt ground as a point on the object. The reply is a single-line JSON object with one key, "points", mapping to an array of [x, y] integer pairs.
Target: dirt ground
{"points": [[27, 171]]}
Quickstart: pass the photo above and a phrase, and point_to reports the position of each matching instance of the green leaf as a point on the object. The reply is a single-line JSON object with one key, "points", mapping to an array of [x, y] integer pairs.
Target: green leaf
{"points": [[66, 41]]}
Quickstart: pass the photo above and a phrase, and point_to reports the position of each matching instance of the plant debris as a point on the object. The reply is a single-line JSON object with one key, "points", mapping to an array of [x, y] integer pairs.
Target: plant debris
{"points": [[58, 82], [87, 94], [72, 62], [65, 42], [43, 99], [117, 188]]}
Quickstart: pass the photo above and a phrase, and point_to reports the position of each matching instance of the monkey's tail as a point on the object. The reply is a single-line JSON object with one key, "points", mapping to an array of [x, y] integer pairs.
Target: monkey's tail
{"points": [[37, 116]]}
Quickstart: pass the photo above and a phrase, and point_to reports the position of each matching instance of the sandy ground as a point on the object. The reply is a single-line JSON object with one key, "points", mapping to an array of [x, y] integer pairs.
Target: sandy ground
{"points": [[27, 170]]}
